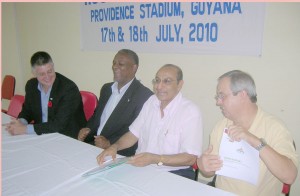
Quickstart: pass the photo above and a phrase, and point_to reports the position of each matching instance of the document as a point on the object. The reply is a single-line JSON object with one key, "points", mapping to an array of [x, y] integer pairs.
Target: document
{"points": [[240, 160], [106, 165]]}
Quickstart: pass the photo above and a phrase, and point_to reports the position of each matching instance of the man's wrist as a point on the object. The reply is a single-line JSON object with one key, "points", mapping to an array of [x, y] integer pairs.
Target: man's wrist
{"points": [[160, 162], [115, 146], [262, 144], [107, 144]]}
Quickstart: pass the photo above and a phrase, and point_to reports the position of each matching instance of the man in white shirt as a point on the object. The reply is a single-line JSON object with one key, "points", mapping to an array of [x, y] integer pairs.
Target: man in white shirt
{"points": [[168, 129]]}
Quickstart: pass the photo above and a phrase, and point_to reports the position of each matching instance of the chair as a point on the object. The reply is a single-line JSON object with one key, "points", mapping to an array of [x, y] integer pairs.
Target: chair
{"points": [[15, 105], [8, 88], [287, 187], [196, 169], [90, 102]]}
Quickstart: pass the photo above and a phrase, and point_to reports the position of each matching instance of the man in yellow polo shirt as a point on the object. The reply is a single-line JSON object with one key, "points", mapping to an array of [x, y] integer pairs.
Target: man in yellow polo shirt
{"points": [[244, 120]]}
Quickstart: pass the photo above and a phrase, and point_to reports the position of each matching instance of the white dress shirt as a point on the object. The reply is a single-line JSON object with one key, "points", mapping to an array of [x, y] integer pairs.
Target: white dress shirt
{"points": [[179, 131]]}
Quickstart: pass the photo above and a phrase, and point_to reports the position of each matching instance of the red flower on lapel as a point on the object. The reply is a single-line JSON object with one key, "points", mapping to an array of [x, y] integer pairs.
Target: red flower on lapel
{"points": [[50, 104]]}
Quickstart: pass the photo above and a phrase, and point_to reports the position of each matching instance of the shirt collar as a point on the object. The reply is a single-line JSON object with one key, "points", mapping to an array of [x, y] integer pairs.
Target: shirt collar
{"points": [[114, 87], [40, 88], [172, 105]]}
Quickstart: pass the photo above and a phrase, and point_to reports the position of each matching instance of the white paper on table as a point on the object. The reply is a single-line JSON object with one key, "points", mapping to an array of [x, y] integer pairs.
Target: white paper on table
{"points": [[108, 164], [240, 160]]}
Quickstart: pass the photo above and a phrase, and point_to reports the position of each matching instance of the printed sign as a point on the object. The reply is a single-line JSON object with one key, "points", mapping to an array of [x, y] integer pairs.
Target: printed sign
{"points": [[174, 27]]}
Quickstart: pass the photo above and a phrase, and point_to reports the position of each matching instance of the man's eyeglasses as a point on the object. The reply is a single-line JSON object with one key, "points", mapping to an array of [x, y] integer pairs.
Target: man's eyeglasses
{"points": [[221, 96], [166, 81]]}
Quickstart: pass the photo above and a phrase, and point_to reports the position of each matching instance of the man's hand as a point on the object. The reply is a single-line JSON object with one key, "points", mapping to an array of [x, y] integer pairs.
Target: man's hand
{"points": [[101, 142], [16, 127], [111, 151], [236, 133], [209, 163], [83, 133]]}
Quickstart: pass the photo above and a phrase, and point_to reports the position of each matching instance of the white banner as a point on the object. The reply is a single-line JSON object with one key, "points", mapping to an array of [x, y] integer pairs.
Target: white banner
{"points": [[174, 27]]}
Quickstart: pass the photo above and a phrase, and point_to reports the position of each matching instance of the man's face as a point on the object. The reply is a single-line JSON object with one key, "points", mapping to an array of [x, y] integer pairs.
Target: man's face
{"points": [[165, 85], [228, 103], [45, 74], [124, 69]]}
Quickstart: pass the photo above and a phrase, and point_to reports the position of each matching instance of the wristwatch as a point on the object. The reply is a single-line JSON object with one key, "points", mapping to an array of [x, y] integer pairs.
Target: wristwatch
{"points": [[160, 163], [261, 145]]}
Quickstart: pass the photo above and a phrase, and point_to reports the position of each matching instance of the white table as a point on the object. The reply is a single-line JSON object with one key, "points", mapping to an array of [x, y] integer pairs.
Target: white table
{"points": [[52, 164]]}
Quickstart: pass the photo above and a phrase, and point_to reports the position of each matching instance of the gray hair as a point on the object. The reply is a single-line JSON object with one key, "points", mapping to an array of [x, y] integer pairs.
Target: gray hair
{"points": [[240, 81]]}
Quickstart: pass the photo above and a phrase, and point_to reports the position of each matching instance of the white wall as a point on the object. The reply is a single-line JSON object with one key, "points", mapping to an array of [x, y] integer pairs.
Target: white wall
{"points": [[55, 27]]}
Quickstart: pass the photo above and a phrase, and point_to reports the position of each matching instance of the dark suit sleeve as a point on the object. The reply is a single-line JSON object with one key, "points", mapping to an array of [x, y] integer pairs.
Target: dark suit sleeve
{"points": [[30, 110], [138, 97], [123, 115]]}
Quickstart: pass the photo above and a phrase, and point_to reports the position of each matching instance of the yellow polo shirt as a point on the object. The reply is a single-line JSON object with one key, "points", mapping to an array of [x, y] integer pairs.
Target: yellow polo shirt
{"points": [[277, 136]]}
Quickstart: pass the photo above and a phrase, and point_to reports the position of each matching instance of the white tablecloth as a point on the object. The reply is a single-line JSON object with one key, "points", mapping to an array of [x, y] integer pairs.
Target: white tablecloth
{"points": [[52, 164]]}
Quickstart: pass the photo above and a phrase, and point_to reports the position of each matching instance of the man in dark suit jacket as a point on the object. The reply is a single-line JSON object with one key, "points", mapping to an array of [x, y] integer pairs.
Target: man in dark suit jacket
{"points": [[119, 104], [52, 102]]}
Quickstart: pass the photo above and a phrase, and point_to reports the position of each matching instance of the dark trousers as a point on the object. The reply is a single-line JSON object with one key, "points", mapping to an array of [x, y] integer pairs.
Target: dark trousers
{"points": [[187, 173]]}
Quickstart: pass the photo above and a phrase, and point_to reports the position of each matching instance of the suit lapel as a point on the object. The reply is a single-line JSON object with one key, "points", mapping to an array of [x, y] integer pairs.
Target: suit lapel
{"points": [[36, 98], [53, 97], [121, 106], [103, 101]]}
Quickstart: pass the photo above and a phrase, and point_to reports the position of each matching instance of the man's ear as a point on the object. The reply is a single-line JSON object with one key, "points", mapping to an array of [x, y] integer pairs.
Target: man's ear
{"points": [[180, 84], [135, 68], [243, 94]]}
